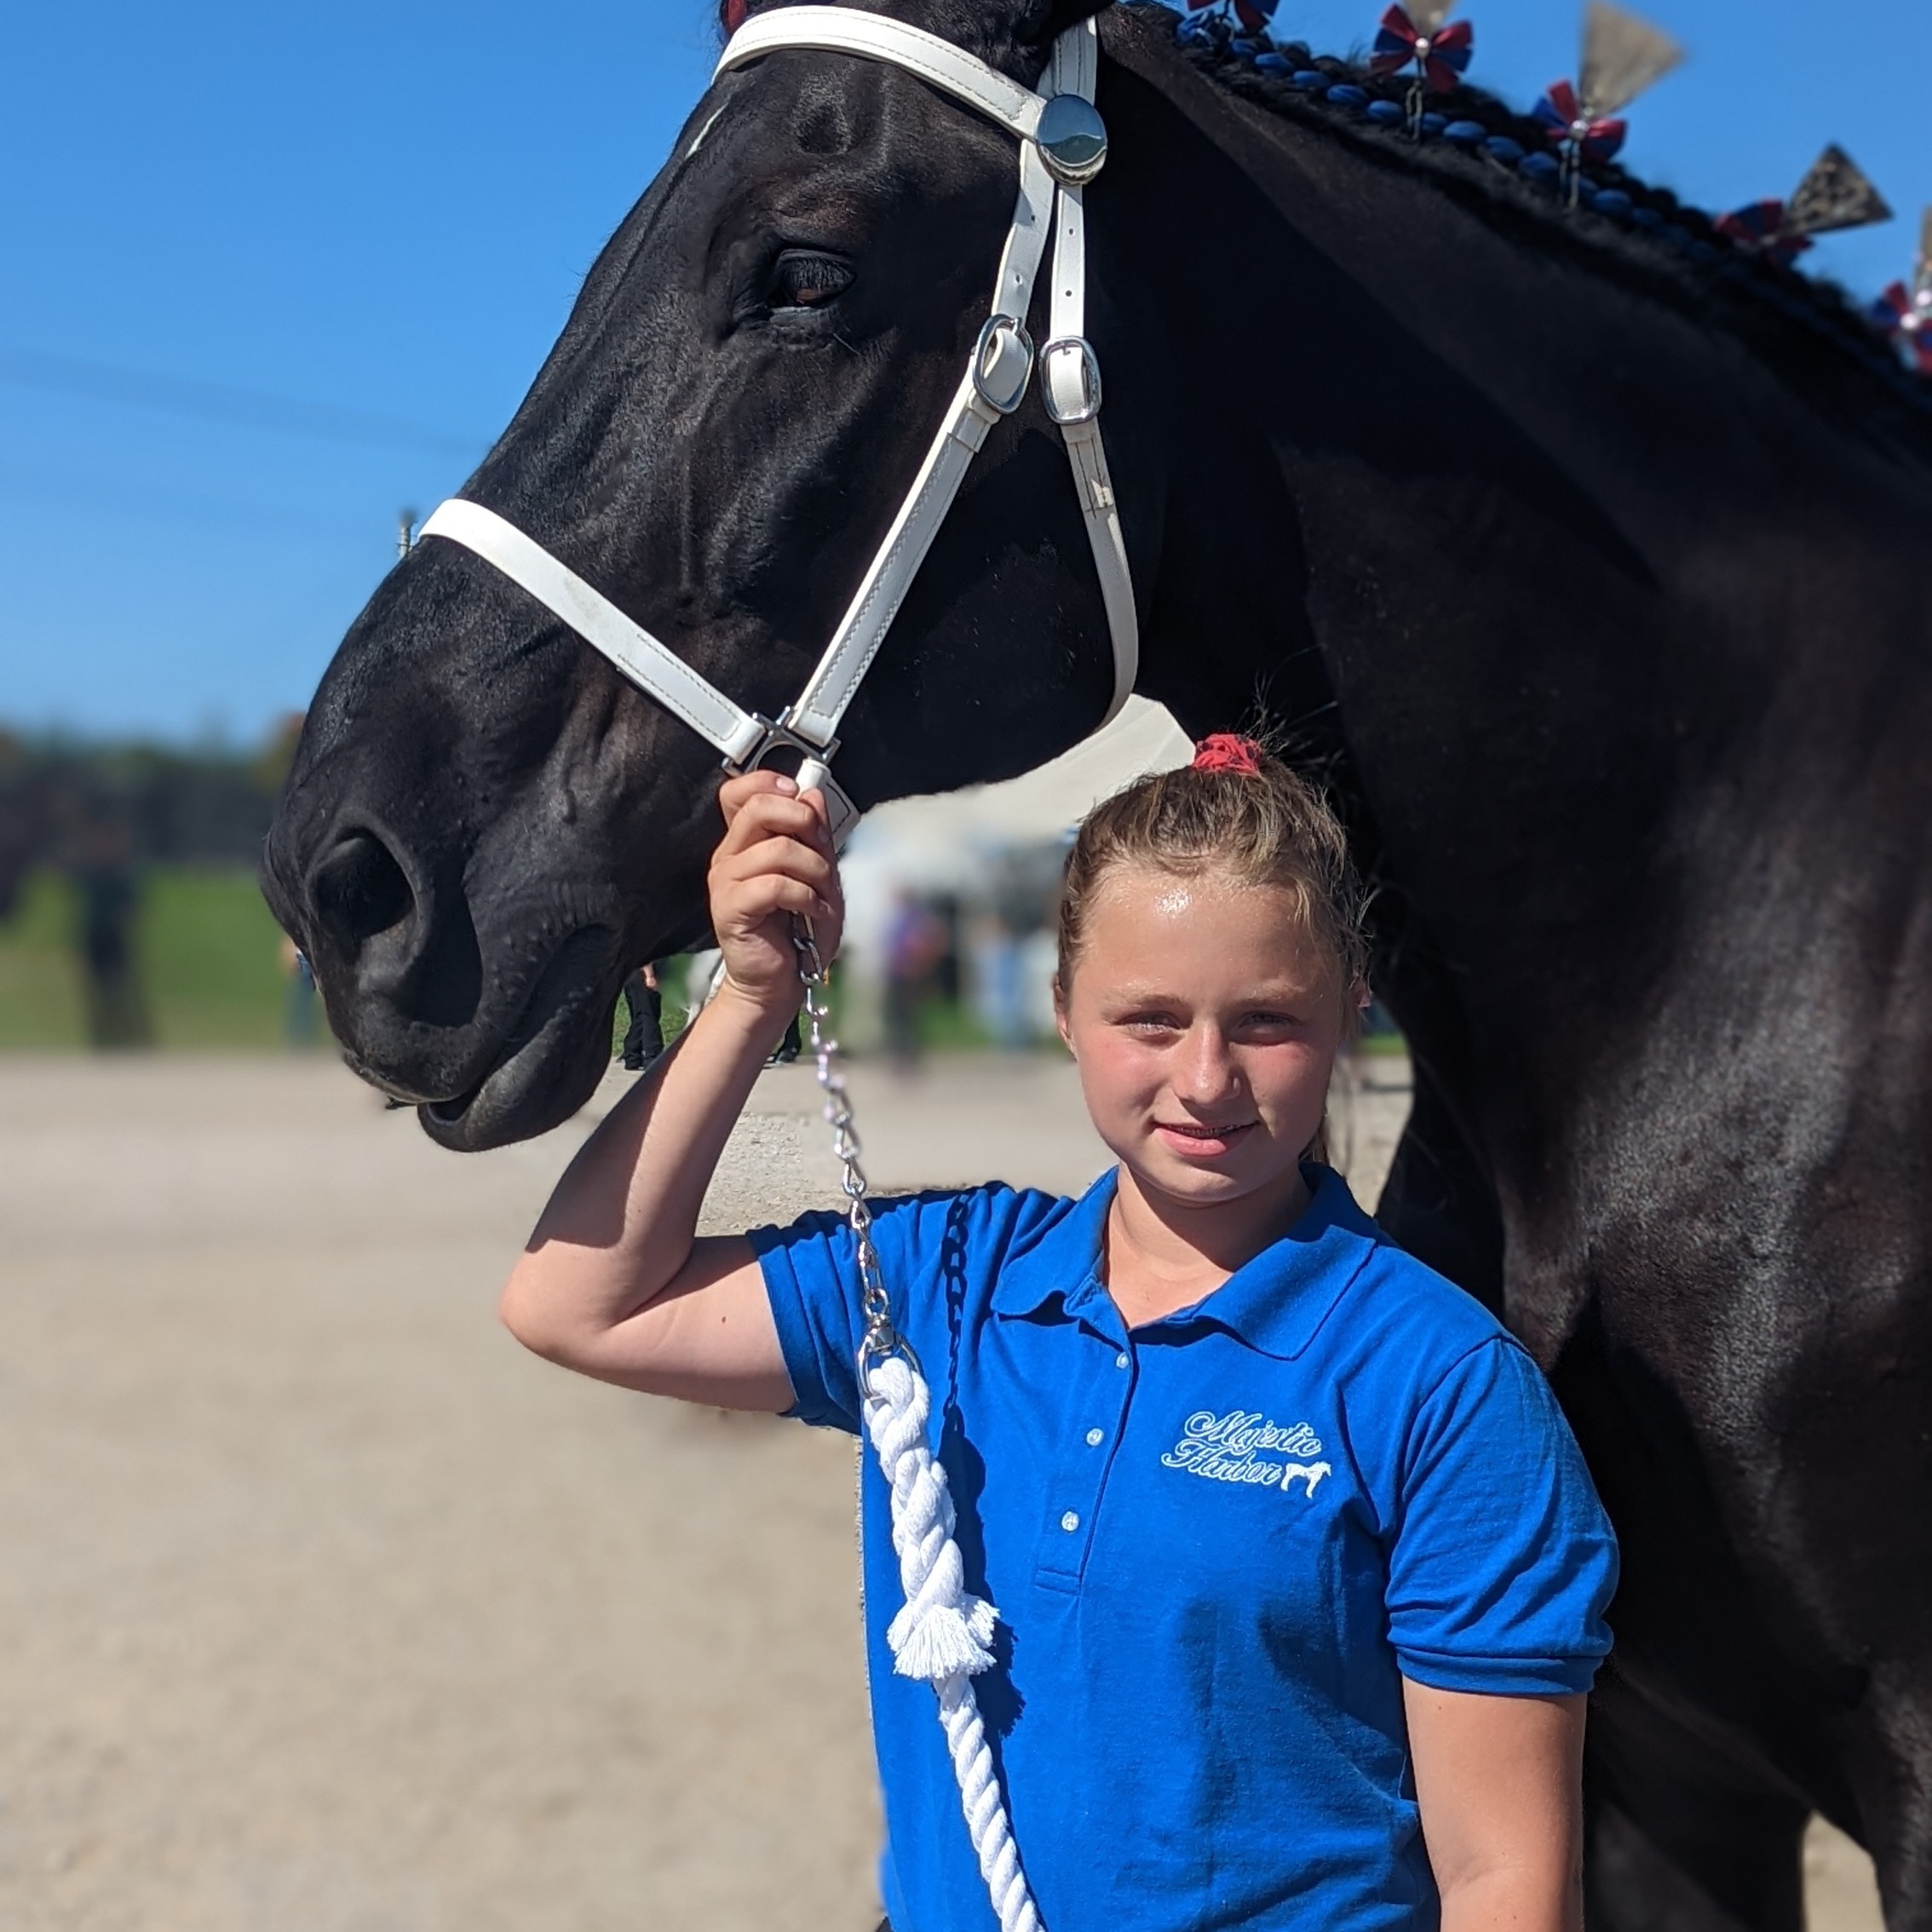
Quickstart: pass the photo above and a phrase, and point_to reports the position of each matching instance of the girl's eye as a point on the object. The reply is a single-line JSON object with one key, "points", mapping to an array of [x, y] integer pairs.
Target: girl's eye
{"points": [[801, 279], [1268, 1026]]}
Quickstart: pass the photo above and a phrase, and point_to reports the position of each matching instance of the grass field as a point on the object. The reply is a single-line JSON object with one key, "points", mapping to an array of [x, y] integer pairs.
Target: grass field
{"points": [[211, 963], [211, 968]]}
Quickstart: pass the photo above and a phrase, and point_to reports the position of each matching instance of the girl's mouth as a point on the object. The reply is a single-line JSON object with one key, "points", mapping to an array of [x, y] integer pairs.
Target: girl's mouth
{"points": [[1194, 1141]]}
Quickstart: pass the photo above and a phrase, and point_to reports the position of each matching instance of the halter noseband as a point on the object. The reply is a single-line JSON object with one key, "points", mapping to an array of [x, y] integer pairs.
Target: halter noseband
{"points": [[1062, 145]]}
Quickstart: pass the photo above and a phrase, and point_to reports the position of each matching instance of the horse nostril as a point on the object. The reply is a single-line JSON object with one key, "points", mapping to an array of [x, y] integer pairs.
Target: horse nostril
{"points": [[360, 891]]}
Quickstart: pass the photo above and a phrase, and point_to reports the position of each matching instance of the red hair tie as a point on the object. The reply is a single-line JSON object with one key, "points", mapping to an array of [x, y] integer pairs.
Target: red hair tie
{"points": [[1228, 752]]}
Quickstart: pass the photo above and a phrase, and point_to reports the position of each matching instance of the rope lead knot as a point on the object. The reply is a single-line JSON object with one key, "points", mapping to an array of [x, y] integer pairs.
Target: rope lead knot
{"points": [[943, 1631]]}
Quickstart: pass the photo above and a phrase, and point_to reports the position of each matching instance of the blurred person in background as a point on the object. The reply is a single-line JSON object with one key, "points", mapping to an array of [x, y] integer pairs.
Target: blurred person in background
{"points": [[999, 993], [644, 1037], [25, 815], [109, 890], [916, 942]]}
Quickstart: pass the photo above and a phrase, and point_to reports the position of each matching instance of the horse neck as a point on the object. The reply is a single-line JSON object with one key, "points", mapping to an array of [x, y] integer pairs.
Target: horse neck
{"points": [[1540, 566]]}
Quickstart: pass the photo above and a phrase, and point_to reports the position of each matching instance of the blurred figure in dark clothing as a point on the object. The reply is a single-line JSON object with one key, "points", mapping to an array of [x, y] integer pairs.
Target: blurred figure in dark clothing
{"points": [[644, 1038], [110, 902]]}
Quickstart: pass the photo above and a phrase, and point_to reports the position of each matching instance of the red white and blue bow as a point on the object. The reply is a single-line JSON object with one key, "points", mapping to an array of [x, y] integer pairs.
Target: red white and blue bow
{"points": [[1834, 194], [1440, 58], [1908, 317], [1250, 15], [1570, 125], [1760, 225]]}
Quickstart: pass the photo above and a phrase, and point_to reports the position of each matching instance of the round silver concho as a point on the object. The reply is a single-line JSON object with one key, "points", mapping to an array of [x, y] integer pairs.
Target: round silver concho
{"points": [[1073, 139]]}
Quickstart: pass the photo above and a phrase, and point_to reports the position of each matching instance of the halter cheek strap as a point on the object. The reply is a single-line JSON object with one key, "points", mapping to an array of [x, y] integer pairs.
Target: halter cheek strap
{"points": [[1062, 145]]}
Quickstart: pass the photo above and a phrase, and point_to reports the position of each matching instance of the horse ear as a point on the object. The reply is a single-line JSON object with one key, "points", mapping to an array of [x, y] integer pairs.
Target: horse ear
{"points": [[1043, 20], [731, 16]]}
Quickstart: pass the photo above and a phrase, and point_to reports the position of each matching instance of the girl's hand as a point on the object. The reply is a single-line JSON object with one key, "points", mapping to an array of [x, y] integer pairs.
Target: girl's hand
{"points": [[775, 861]]}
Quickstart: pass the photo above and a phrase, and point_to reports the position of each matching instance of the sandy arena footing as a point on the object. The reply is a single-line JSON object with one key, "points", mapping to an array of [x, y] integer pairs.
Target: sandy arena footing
{"points": [[326, 1608]]}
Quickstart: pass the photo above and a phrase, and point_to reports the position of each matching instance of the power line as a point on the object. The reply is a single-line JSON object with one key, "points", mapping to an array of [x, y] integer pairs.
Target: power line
{"points": [[218, 402]]}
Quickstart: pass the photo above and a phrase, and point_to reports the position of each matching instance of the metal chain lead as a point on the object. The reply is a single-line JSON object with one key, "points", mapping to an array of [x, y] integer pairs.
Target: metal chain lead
{"points": [[881, 1339]]}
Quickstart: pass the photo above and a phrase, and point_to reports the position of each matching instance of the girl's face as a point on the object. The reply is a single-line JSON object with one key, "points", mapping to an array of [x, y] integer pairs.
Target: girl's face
{"points": [[1204, 1023]]}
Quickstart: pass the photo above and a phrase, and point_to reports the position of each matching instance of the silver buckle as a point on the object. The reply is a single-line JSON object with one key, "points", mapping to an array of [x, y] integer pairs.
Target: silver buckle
{"points": [[1053, 355], [779, 736], [1003, 363], [774, 736]]}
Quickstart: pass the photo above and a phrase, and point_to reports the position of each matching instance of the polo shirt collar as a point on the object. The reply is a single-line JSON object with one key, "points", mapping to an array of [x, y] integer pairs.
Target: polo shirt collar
{"points": [[1274, 1304]]}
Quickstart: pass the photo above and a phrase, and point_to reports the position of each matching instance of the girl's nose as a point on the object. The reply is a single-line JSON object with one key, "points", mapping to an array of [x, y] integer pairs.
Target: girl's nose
{"points": [[1205, 1074]]}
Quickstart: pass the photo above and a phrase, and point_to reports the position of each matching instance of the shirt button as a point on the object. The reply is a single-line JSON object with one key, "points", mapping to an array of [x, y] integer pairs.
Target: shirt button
{"points": [[1120, 1360], [1069, 1522], [1096, 1437]]}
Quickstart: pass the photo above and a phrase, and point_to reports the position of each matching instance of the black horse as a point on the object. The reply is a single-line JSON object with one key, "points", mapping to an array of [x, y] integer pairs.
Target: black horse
{"points": [[1589, 558]]}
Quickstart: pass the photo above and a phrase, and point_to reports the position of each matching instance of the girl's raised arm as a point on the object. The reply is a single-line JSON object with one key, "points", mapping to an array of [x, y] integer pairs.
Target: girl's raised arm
{"points": [[614, 1282]]}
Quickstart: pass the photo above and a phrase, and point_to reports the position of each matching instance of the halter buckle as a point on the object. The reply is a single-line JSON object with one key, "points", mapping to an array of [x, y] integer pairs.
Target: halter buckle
{"points": [[1070, 383], [1002, 363], [777, 739], [1071, 139]]}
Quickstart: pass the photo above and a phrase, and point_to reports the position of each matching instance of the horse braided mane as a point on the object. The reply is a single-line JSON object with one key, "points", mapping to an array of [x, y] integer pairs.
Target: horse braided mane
{"points": [[1805, 326]]}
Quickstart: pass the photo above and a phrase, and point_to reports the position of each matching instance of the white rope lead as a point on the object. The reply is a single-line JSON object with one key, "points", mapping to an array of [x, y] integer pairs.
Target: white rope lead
{"points": [[944, 1633]]}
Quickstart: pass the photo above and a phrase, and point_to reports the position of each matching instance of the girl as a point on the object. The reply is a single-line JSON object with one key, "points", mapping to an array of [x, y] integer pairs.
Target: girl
{"points": [[1299, 1574]]}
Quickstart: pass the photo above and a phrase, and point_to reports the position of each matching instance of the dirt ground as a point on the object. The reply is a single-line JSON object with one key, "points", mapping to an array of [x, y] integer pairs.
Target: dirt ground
{"points": [[325, 1608]]}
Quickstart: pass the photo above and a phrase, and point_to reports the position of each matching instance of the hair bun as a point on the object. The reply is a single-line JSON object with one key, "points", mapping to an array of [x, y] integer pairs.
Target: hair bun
{"points": [[1228, 752]]}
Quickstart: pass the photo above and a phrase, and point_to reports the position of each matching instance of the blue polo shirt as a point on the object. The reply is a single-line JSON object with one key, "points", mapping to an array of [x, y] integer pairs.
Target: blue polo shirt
{"points": [[1217, 1544]]}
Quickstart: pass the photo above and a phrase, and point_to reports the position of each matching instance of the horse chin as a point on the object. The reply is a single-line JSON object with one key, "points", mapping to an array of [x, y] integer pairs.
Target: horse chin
{"points": [[549, 1066]]}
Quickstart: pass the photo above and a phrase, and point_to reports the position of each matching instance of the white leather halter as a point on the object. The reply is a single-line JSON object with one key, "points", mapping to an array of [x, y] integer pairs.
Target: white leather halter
{"points": [[1062, 145]]}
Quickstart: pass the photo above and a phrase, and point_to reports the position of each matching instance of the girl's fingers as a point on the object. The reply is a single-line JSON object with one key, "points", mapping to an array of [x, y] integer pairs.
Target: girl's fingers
{"points": [[778, 855], [758, 898], [762, 833], [773, 805], [735, 793]]}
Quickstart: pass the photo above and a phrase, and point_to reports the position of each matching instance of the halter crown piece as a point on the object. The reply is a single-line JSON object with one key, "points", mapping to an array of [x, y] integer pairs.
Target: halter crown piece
{"points": [[1062, 146]]}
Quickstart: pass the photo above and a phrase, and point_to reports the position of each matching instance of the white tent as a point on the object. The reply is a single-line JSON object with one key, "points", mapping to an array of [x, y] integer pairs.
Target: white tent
{"points": [[954, 842], [1038, 806]]}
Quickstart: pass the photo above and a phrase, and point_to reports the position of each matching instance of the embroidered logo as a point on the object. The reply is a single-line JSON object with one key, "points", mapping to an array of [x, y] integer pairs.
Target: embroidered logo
{"points": [[1228, 1449]]}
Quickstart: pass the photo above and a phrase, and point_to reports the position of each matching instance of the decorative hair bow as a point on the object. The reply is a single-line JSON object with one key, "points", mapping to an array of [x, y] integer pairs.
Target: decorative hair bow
{"points": [[1760, 225], [1566, 123], [1416, 35], [1250, 15], [1622, 55], [1834, 193], [1907, 313]]}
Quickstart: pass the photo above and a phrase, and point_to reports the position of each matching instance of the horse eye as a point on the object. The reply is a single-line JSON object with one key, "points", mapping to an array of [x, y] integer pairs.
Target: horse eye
{"points": [[803, 280]]}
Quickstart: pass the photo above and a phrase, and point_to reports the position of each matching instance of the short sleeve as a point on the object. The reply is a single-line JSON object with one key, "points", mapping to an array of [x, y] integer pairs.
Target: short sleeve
{"points": [[1502, 1561], [811, 1271]]}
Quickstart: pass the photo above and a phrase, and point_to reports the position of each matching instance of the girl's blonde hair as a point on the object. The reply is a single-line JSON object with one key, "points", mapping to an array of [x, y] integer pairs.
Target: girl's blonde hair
{"points": [[1238, 812]]}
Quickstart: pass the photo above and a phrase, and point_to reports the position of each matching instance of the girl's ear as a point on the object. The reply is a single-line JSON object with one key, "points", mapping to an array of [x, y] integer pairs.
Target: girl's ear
{"points": [[1354, 1009]]}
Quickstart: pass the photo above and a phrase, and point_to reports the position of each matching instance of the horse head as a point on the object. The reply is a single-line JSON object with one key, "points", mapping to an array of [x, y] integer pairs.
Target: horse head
{"points": [[485, 825]]}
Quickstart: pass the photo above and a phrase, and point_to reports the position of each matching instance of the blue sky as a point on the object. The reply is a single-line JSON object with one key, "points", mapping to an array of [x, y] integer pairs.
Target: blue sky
{"points": [[335, 243]]}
